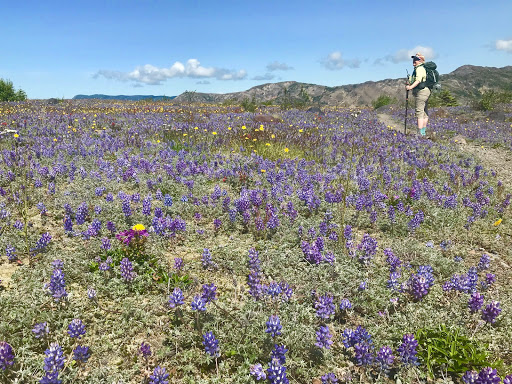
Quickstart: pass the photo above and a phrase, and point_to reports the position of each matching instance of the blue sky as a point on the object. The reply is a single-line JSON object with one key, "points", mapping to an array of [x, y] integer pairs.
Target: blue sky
{"points": [[63, 48]]}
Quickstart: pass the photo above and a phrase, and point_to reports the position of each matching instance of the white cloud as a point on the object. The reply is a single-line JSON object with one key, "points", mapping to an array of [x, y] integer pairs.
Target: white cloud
{"points": [[202, 82], [335, 61], [277, 66], [265, 77], [149, 74], [405, 54], [504, 45]]}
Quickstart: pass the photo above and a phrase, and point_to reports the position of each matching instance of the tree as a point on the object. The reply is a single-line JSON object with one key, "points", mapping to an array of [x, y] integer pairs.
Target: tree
{"points": [[7, 92]]}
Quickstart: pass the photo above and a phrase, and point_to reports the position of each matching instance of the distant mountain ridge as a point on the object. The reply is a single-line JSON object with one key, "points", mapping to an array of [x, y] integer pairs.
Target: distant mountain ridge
{"points": [[123, 97], [465, 83]]}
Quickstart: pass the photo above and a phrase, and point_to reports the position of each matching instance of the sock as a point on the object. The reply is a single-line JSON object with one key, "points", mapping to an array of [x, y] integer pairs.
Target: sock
{"points": [[423, 131]]}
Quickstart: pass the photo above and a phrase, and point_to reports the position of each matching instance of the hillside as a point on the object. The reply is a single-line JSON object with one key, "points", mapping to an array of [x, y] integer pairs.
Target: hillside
{"points": [[122, 97], [465, 83]]}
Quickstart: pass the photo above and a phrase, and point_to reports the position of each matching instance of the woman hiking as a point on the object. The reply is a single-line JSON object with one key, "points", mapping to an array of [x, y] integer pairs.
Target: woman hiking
{"points": [[419, 91]]}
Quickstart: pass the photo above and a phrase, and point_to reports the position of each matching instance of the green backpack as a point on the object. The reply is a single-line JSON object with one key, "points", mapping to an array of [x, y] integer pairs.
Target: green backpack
{"points": [[432, 76]]}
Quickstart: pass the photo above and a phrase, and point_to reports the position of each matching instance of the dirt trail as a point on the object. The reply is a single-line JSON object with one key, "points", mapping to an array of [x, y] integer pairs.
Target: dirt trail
{"points": [[499, 160]]}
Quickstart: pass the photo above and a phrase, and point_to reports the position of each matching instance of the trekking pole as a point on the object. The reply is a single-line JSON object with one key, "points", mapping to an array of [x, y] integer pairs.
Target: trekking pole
{"points": [[406, 104]]}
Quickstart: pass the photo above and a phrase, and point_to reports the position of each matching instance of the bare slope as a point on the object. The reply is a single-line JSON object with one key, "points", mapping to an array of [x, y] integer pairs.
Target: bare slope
{"points": [[465, 83]]}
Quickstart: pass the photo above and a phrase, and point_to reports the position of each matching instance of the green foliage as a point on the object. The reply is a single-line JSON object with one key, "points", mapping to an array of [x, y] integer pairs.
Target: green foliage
{"points": [[442, 99], [228, 102], [303, 101], [249, 105], [489, 99], [445, 350], [383, 100], [7, 92]]}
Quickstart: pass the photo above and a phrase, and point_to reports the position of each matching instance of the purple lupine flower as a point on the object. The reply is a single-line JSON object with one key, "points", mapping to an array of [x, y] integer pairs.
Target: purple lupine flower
{"points": [[323, 337], [176, 298], [127, 272], [43, 241], [81, 354], [329, 378], [345, 304], [209, 293], [363, 354], [127, 209], [415, 222], [484, 262], [167, 200], [393, 261], [273, 290], [68, 224], [217, 223], [276, 373], [393, 282], [362, 286], [76, 329], [10, 251], [159, 376], [54, 360], [91, 293], [257, 372], [254, 283], [198, 304], [178, 263], [324, 306], [367, 248], [206, 259], [488, 375], [407, 350], [81, 213], [57, 285], [491, 312], [111, 227], [146, 206], [507, 379], [273, 326], [41, 330], [6, 355], [254, 261], [385, 358], [470, 377], [145, 350], [475, 302], [105, 244], [18, 225], [278, 353], [211, 344], [286, 291]]}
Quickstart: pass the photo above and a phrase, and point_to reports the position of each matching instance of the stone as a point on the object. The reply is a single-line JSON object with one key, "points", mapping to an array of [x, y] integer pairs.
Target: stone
{"points": [[316, 110], [267, 119], [459, 139]]}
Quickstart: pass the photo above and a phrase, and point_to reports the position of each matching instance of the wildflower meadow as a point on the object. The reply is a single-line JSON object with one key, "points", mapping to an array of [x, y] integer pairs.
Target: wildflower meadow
{"points": [[152, 242]]}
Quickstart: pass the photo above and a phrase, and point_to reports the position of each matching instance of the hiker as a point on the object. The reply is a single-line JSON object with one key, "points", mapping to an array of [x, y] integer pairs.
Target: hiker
{"points": [[419, 91]]}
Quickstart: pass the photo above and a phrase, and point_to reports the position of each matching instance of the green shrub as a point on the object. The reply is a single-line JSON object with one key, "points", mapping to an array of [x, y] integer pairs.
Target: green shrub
{"points": [[7, 92], [446, 350], [491, 98], [249, 105], [442, 99], [383, 100]]}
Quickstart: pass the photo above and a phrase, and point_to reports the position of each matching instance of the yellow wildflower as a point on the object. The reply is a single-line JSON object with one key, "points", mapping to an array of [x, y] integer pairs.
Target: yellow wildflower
{"points": [[273, 136], [16, 135], [214, 133], [267, 144], [243, 126], [263, 171], [301, 130], [286, 149], [138, 227], [497, 222]]}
